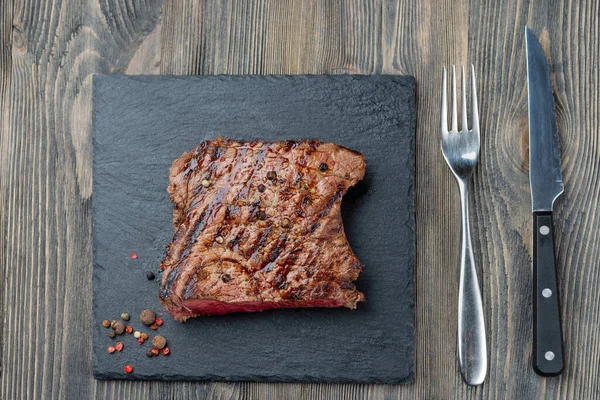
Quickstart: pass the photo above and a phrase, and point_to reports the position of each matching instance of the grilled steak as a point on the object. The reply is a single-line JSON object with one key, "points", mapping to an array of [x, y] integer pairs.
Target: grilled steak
{"points": [[258, 226]]}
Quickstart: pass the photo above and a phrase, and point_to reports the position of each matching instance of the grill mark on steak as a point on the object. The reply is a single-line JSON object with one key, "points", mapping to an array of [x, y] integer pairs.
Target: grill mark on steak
{"points": [[327, 209], [260, 243], [260, 261]]}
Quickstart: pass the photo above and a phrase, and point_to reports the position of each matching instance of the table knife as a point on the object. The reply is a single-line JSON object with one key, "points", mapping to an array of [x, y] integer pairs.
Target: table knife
{"points": [[546, 185]]}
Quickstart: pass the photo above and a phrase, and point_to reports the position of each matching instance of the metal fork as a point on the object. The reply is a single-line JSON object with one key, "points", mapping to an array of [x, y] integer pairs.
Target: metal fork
{"points": [[461, 151]]}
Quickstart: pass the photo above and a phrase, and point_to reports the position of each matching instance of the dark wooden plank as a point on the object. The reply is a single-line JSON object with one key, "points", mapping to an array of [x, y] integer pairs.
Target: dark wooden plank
{"points": [[569, 32], [6, 8], [45, 221], [46, 186]]}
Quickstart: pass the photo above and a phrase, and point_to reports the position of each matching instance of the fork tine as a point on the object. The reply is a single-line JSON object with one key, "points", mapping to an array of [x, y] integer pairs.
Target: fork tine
{"points": [[454, 113], [465, 125], [444, 116], [474, 107]]}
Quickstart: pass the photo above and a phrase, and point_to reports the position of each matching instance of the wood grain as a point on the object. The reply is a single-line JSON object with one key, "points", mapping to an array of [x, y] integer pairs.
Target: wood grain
{"points": [[5, 79], [46, 60]]}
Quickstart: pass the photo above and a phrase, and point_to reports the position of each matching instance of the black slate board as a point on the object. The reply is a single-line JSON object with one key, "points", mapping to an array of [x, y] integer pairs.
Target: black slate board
{"points": [[142, 123]]}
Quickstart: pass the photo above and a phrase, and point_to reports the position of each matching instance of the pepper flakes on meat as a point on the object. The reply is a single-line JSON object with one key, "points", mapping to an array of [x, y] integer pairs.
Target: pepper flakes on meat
{"points": [[271, 175], [292, 199]]}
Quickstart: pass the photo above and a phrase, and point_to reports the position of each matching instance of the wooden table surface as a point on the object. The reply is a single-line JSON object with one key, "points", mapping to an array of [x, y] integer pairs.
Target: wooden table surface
{"points": [[49, 50]]}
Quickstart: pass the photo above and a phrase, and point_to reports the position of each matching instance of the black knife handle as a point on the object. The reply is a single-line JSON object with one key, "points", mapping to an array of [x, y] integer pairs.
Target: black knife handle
{"points": [[547, 334]]}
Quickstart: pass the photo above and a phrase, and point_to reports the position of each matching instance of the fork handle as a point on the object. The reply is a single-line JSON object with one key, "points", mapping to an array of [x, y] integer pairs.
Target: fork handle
{"points": [[472, 349], [547, 335]]}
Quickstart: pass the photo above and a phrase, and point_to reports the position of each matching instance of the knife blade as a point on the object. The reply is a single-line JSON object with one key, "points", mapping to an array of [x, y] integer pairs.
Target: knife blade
{"points": [[546, 182]]}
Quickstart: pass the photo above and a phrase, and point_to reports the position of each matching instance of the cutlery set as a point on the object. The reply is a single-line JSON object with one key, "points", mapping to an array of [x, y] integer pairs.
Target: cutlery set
{"points": [[461, 151]]}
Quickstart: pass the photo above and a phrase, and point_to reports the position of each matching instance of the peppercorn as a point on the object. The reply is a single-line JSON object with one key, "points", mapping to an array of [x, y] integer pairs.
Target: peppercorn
{"points": [[129, 329], [128, 369], [111, 349], [261, 215], [125, 316], [154, 327], [119, 327], [111, 334], [119, 346], [140, 341], [150, 275], [149, 353], [159, 342], [226, 278], [323, 167], [133, 255], [113, 323], [155, 351], [137, 334], [271, 175], [147, 317], [166, 351], [205, 183], [262, 188], [158, 321], [144, 336], [285, 222], [106, 323], [162, 267]]}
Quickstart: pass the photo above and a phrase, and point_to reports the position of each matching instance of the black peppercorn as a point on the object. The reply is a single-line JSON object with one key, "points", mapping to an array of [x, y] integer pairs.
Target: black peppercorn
{"points": [[272, 175], [150, 275], [119, 327], [111, 334], [262, 188], [261, 215], [147, 317], [323, 167], [159, 342], [149, 353]]}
